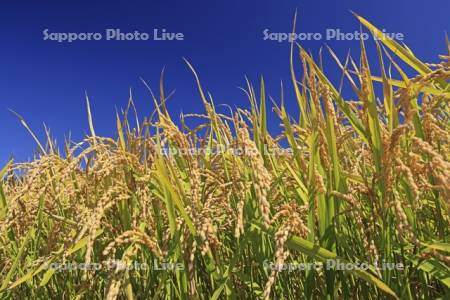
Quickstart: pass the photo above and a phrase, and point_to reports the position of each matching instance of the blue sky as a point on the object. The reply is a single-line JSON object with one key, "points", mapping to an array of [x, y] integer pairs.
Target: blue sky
{"points": [[45, 81]]}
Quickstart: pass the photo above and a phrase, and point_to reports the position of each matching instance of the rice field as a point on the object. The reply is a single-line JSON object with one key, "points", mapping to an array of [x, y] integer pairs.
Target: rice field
{"points": [[350, 201]]}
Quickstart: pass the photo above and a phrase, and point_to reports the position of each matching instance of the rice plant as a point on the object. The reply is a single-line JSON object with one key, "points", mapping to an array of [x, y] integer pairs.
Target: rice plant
{"points": [[227, 210]]}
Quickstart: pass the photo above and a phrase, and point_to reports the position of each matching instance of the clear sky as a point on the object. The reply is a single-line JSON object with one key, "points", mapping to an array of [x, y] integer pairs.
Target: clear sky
{"points": [[45, 81]]}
